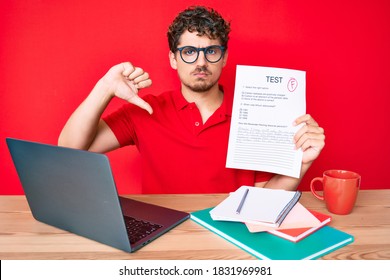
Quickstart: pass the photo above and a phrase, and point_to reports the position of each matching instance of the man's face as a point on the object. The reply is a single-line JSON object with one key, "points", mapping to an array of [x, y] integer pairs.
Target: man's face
{"points": [[201, 75]]}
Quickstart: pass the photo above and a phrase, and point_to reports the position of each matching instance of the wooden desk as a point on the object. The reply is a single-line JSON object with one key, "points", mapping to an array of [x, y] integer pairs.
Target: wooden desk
{"points": [[22, 237]]}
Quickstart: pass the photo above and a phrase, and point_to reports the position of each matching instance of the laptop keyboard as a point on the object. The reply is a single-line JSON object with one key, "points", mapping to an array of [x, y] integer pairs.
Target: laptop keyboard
{"points": [[138, 229]]}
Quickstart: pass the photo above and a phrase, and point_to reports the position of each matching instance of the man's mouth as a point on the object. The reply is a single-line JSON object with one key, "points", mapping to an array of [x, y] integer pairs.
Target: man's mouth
{"points": [[201, 73]]}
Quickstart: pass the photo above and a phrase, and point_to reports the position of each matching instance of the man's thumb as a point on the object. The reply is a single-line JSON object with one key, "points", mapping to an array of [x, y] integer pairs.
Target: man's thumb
{"points": [[138, 101]]}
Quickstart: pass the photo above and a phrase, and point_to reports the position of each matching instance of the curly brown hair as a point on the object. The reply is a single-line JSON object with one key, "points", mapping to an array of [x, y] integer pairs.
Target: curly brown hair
{"points": [[204, 21]]}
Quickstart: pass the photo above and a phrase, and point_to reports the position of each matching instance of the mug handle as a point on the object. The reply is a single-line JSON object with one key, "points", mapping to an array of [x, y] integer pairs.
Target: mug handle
{"points": [[320, 197]]}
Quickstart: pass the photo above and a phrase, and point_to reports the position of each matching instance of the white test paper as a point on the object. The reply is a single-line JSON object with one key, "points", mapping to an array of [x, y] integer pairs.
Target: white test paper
{"points": [[266, 102]]}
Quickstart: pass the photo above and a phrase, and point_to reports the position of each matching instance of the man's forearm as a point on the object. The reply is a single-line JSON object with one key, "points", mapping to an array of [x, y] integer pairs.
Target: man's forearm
{"points": [[80, 130]]}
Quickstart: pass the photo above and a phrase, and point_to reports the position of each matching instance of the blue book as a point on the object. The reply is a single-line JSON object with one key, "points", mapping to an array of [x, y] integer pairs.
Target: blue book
{"points": [[266, 246]]}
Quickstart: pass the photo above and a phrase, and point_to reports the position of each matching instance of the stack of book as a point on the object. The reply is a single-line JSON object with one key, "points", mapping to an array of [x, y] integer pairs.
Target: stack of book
{"points": [[272, 224]]}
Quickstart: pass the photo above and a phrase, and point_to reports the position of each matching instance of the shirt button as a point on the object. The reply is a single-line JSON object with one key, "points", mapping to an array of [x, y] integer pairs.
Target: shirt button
{"points": [[196, 123]]}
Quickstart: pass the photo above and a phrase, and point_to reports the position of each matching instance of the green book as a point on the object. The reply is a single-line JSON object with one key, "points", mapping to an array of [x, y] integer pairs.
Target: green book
{"points": [[266, 246]]}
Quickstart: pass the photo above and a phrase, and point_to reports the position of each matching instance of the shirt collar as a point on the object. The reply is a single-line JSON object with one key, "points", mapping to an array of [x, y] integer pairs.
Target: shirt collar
{"points": [[179, 100]]}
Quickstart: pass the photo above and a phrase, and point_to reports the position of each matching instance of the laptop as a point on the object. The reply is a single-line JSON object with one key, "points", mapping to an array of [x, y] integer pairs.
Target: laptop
{"points": [[74, 190]]}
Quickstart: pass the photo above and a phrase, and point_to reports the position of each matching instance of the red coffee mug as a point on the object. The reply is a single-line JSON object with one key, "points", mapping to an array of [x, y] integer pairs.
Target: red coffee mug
{"points": [[340, 189]]}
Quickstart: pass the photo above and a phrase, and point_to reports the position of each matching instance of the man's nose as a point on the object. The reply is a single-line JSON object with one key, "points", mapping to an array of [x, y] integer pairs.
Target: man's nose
{"points": [[201, 58]]}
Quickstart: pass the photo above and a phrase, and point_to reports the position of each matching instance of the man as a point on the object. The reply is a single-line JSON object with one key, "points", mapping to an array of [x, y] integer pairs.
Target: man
{"points": [[182, 135]]}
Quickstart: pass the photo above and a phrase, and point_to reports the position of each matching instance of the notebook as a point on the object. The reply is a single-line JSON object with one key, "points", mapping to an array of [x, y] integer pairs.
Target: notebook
{"points": [[298, 217], [298, 224], [264, 245], [297, 234], [264, 206], [74, 190]]}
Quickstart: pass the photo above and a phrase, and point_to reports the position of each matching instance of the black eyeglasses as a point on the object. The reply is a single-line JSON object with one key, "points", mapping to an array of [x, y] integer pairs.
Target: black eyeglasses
{"points": [[212, 54]]}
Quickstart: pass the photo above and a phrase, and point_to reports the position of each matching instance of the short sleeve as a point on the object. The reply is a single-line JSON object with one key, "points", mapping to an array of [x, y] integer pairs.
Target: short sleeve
{"points": [[121, 125]]}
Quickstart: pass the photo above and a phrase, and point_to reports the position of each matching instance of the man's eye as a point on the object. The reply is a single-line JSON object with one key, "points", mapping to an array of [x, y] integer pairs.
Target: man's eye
{"points": [[189, 51], [211, 51]]}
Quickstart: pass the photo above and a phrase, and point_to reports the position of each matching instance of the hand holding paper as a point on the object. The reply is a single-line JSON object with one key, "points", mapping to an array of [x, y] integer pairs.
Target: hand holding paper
{"points": [[310, 138]]}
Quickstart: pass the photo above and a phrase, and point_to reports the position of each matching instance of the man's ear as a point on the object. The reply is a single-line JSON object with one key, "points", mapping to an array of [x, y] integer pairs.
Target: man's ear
{"points": [[172, 60]]}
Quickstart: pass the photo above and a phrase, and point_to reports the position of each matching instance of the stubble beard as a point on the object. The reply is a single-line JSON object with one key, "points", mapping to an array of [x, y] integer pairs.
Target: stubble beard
{"points": [[201, 86]]}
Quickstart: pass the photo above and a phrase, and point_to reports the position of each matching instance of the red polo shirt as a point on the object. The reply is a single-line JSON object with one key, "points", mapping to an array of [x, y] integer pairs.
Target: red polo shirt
{"points": [[179, 153]]}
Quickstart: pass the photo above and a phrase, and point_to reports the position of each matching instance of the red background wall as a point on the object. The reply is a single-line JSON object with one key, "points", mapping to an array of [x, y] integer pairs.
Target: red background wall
{"points": [[53, 52]]}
